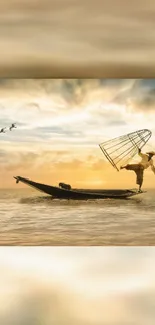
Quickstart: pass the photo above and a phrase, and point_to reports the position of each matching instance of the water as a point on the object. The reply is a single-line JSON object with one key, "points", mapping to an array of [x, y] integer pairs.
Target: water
{"points": [[29, 219]]}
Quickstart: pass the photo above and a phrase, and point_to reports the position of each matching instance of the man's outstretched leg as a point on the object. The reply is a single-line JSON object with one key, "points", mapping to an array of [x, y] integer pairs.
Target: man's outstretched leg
{"points": [[130, 167], [122, 167], [139, 170]]}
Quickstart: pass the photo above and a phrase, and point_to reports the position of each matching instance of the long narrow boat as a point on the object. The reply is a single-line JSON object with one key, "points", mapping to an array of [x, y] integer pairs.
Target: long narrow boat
{"points": [[78, 194]]}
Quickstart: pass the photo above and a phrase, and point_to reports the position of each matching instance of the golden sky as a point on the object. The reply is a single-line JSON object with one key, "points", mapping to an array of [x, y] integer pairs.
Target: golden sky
{"points": [[78, 38], [62, 121]]}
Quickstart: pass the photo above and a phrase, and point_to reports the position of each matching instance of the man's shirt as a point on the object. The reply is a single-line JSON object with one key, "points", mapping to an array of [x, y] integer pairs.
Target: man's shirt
{"points": [[146, 162]]}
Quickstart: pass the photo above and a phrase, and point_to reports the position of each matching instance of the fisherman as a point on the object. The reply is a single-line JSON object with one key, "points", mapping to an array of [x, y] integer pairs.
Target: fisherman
{"points": [[139, 168]]}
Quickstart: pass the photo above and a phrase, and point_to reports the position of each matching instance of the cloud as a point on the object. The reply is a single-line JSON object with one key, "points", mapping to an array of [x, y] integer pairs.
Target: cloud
{"points": [[143, 96], [56, 100], [145, 102], [3, 157], [71, 116], [139, 96]]}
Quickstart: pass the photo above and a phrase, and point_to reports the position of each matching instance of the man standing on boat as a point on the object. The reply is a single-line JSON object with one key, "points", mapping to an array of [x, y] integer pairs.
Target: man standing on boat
{"points": [[139, 168]]}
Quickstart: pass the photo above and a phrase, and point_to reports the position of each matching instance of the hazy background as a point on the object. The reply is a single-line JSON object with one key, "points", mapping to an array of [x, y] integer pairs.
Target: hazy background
{"points": [[78, 38], [81, 286], [60, 124]]}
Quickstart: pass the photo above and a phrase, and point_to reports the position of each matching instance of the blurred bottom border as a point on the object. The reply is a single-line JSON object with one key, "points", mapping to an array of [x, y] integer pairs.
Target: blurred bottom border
{"points": [[77, 285]]}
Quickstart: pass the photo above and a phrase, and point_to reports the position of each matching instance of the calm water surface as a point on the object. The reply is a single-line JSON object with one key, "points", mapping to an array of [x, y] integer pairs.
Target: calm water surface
{"points": [[27, 218]]}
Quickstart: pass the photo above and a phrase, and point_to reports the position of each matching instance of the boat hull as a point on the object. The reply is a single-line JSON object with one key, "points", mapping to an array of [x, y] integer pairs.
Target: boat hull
{"points": [[77, 194]]}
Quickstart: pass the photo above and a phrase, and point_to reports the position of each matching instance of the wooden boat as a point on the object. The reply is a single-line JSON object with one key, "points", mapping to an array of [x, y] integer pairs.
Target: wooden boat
{"points": [[78, 194]]}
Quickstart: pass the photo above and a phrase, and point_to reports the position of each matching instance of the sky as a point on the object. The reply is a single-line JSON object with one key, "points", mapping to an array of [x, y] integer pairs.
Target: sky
{"points": [[77, 285], [77, 38], [60, 123]]}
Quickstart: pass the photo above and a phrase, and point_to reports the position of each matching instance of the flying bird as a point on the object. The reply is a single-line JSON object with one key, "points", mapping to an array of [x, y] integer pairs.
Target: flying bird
{"points": [[2, 130], [12, 127]]}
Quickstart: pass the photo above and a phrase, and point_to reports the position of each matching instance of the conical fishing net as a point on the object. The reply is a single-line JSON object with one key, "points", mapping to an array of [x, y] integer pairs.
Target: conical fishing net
{"points": [[120, 150]]}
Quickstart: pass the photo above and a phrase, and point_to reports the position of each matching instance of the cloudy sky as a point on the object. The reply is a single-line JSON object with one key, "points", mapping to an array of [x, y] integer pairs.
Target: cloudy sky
{"points": [[78, 38], [62, 121], [77, 285]]}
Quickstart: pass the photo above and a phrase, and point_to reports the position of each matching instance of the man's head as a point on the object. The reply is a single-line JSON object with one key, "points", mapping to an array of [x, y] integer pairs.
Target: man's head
{"points": [[150, 154]]}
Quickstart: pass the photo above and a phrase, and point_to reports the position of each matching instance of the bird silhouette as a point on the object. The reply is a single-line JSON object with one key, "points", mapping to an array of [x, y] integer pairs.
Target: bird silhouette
{"points": [[2, 130], [12, 127]]}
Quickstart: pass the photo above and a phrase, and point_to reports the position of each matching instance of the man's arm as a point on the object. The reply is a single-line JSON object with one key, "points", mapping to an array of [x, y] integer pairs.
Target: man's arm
{"points": [[152, 166], [142, 155]]}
